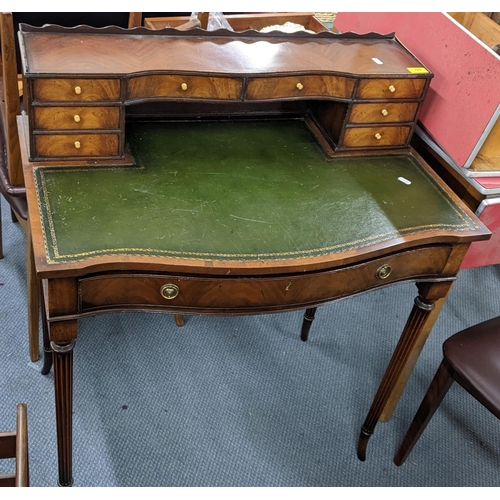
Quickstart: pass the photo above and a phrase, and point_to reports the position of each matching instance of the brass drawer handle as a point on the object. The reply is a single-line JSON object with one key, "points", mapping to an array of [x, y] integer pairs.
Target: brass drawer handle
{"points": [[78, 90], [169, 291], [76, 118], [378, 136], [392, 88], [300, 86], [184, 86], [77, 145], [383, 272], [385, 112]]}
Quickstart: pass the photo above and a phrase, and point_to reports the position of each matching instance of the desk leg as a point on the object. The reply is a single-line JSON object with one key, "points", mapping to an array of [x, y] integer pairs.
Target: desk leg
{"points": [[415, 353], [415, 333], [63, 388]]}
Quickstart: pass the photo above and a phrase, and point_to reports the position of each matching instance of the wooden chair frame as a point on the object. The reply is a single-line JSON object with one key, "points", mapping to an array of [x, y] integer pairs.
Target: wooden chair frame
{"points": [[11, 174], [471, 368], [15, 445]]}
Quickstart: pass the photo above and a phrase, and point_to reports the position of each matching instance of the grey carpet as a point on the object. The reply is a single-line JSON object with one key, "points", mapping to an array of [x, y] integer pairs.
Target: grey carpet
{"points": [[241, 401]]}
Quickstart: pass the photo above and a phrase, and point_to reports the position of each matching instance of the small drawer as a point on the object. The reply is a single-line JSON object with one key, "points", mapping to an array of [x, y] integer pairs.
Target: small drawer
{"points": [[247, 294], [408, 88], [362, 137], [70, 145], [384, 112], [300, 86], [76, 90], [75, 118], [184, 86]]}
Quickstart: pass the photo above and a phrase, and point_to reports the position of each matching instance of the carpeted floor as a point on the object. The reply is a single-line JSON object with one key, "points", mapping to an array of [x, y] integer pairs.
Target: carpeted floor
{"points": [[241, 401]]}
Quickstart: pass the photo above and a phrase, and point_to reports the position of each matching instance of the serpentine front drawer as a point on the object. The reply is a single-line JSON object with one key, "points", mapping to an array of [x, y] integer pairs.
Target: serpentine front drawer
{"points": [[383, 112], [76, 117], [200, 294], [184, 86], [300, 86], [76, 89], [76, 145], [376, 136], [392, 88]]}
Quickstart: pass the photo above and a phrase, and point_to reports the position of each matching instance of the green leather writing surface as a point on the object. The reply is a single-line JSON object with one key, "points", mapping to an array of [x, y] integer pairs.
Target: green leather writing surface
{"points": [[236, 190]]}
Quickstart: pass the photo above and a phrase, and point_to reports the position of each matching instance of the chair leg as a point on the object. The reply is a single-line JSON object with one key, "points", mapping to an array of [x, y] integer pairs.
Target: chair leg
{"points": [[1, 240], [33, 287], [307, 322], [22, 460], [179, 319], [442, 381]]}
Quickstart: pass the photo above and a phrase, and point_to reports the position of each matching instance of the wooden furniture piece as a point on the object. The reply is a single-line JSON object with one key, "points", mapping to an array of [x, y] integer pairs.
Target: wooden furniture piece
{"points": [[242, 174], [11, 173], [15, 445], [134, 19], [480, 25], [470, 358]]}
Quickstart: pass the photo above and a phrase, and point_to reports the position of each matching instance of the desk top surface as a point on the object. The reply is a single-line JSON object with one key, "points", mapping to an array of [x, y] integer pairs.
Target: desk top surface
{"points": [[243, 191], [98, 52]]}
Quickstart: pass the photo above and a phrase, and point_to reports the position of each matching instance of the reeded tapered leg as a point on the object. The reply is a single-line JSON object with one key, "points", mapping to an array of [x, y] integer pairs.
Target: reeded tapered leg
{"points": [[63, 388], [307, 322], [440, 384], [414, 334]]}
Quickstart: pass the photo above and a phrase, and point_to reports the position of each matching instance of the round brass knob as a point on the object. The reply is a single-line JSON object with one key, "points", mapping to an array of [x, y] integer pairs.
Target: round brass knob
{"points": [[300, 86], [78, 90], [383, 272], [385, 112], [169, 291], [378, 136], [76, 118], [184, 86], [77, 145], [392, 88]]}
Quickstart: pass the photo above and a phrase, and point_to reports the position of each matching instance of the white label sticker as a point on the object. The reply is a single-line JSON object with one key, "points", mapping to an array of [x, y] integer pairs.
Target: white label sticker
{"points": [[404, 181], [378, 61]]}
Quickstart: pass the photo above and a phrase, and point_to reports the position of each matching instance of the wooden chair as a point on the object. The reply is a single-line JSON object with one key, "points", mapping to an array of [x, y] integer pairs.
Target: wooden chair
{"points": [[15, 445], [11, 172], [12, 176], [471, 358]]}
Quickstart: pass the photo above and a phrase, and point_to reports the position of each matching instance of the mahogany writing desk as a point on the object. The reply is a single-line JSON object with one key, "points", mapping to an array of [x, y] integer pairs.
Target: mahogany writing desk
{"points": [[214, 173]]}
